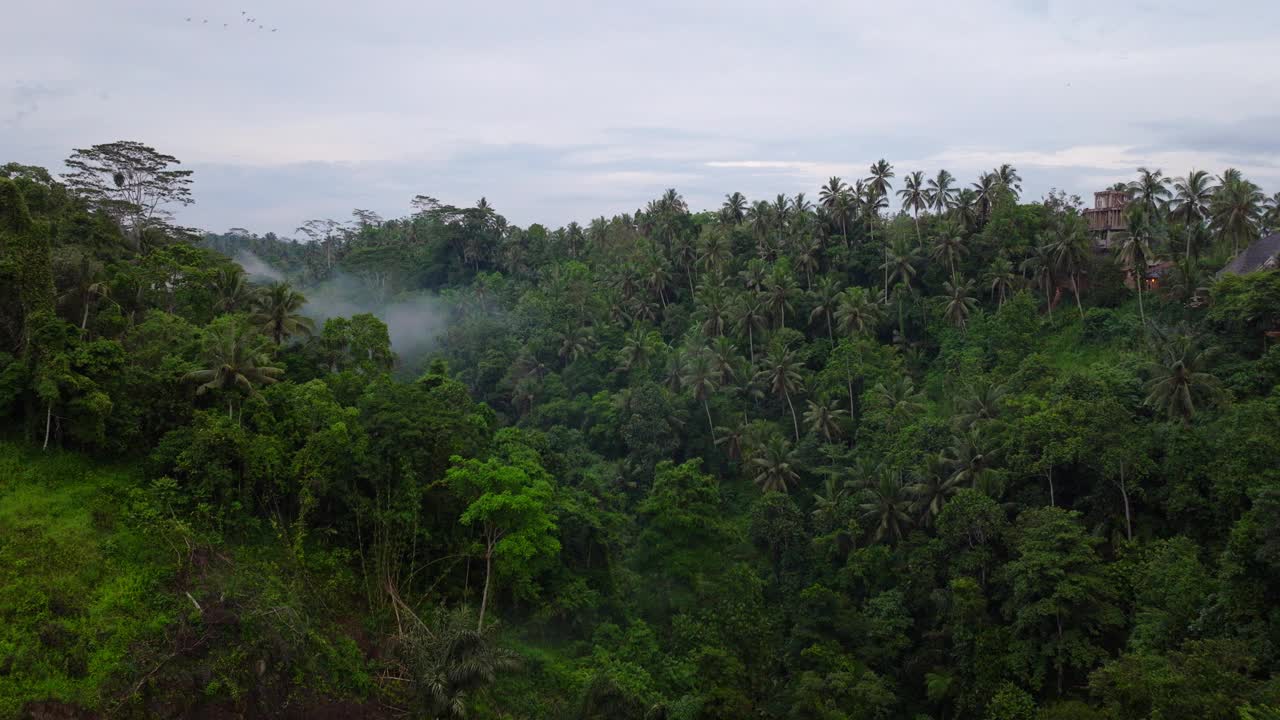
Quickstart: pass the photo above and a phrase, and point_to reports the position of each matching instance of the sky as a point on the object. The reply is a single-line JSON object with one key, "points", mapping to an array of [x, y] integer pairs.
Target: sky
{"points": [[559, 111]]}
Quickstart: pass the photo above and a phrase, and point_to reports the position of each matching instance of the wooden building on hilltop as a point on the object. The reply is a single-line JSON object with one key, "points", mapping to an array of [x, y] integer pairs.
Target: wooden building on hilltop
{"points": [[1106, 217]]}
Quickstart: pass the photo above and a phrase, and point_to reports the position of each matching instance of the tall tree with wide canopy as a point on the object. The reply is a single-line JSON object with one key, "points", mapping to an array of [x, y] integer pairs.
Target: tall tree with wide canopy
{"points": [[1180, 382], [1151, 189], [941, 193], [131, 182], [509, 501]]}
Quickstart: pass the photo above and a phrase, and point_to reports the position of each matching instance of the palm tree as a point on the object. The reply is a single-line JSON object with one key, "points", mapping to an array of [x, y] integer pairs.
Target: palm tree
{"points": [[575, 341], [914, 197], [725, 359], [677, 366], [941, 194], [1041, 268], [713, 310], [981, 402], [887, 507], [734, 210], [701, 379], [750, 317], [984, 191], [966, 208], [235, 361], [826, 504], [824, 419], [732, 438], [1180, 382], [775, 465], [782, 374], [873, 204], [759, 217], [1192, 197], [1001, 279], [826, 299], [1271, 212], [808, 251], [778, 294], [1236, 210], [934, 484], [1071, 250], [1151, 189], [899, 399], [968, 460], [639, 347], [1135, 251], [232, 290], [879, 181], [899, 265], [1007, 177], [86, 288], [948, 245], [716, 251], [278, 313], [448, 662], [856, 313], [957, 302]]}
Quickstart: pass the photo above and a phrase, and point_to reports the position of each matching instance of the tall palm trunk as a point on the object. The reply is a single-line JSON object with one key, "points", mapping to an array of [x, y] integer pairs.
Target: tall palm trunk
{"points": [[48, 423], [710, 426], [1124, 494], [488, 573], [794, 422]]}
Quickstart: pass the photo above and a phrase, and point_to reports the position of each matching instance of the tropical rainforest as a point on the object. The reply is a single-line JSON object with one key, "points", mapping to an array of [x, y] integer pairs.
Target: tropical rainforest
{"points": [[914, 447]]}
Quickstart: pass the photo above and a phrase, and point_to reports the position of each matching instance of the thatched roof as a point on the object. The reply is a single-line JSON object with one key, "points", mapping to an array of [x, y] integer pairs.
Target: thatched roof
{"points": [[1261, 254]]}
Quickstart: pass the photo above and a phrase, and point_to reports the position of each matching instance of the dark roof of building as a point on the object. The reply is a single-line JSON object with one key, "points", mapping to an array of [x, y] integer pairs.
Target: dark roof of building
{"points": [[1253, 257]]}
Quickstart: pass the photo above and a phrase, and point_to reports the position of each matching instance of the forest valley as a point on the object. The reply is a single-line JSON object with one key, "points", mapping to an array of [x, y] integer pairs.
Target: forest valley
{"points": [[908, 449]]}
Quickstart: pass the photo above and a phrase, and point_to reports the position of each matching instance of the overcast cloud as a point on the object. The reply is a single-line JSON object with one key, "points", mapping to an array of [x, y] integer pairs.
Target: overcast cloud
{"points": [[559, 111]]}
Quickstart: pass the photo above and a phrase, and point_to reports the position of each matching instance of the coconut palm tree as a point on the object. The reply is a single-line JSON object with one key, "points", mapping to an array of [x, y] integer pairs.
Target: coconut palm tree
{"points": [[235, 360], [750, 317], [781, 373], [887, 507], [734, 210], [760, 218], [1192, 196], [966, 210], [1134, 251], [1072, 252], [725, 359], [638, 348], [574, 341], [1236, 210], [984, 192], [713, 310], [826, 298], [948, 246], [968, 458], [1001, 279], [941, 194], [733, 439], [827, 502], [715, 250], [957, 302], [982, 401], [231, 290], [1040, 267], [1271, 212], [856, 313], [775, 465], [914, 198], [934, 485], [879, 180], [1180, 381], [898, 398], [778, 292], [278, 313], [824, 419], [1007, 177], [1151, 189], [900, 266], [702, 380]]}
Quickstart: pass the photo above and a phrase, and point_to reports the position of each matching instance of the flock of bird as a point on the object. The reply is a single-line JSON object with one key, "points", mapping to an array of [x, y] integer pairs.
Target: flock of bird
{"points": [[244, 15]]}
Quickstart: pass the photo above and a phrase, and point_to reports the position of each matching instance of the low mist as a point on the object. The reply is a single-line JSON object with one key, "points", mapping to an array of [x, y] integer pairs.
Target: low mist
{"points": [[414, 320], [256, 268]]}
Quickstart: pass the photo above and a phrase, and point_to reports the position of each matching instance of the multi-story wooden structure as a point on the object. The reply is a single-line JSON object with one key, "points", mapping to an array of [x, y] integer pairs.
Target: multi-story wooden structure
{"points": [[1106, 217]]}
